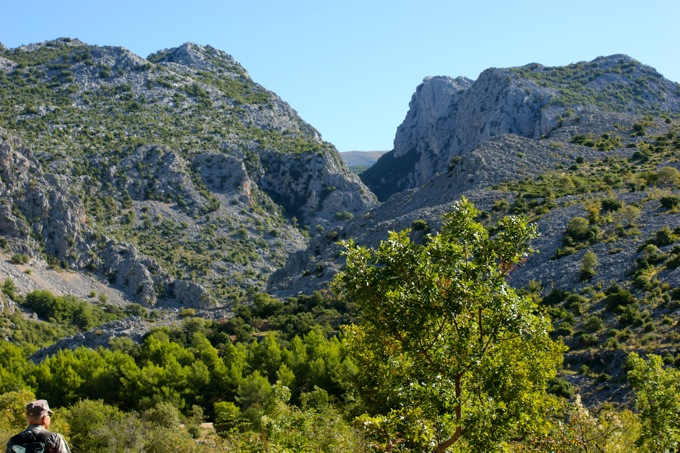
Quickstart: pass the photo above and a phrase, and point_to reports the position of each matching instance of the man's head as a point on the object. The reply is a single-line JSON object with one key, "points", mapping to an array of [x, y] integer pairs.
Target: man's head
{"points": [[39, 413]]}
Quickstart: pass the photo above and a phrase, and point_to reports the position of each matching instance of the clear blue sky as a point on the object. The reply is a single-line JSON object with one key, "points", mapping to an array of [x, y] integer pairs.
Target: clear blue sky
{"points": [[349, 67]]}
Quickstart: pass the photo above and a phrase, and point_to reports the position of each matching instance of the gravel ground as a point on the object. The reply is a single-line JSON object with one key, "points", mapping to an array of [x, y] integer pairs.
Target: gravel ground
{"points": [[37, 275]]}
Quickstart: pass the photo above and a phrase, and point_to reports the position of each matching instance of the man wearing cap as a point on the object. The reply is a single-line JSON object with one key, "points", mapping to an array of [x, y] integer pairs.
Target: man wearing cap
{"points": [[38, 414]]}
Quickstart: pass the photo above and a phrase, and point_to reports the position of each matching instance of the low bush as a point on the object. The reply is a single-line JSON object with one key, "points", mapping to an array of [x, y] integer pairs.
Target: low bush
{"points": [[20, 258]]}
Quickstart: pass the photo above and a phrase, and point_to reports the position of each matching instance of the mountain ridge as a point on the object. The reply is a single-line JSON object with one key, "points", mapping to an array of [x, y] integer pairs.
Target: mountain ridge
{"points": [[448, 117], [178, 182], [187, 139]]}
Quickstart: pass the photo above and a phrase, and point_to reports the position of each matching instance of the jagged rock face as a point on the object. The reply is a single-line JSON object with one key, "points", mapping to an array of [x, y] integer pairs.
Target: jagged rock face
{"points": [[131, 272], [316, 189], [37, 213], [184, 143], [222, 173], [190, 294], [450, 117], [154, 172], [37, 209]]}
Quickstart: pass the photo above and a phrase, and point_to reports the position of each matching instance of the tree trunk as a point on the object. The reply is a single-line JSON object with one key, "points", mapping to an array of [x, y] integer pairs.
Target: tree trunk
{"points": [[441, 448]]}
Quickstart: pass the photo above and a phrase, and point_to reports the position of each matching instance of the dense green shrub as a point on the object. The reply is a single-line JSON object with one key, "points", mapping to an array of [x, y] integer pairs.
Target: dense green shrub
{"points": [[665, 236], [651, 255], [668, 176], [555, 297], [421, 225], [611, 205], [455, 160], [561, 387], [576, 304], [68, 310], [589, 265], [9, 289], [593, 323], [20, 258], [674, 260], [611, 343], [588, 339], [631, 316], [618, 297], [579, 230], [501, 205], [643, 278], [344, 215], [564, 329], [670, 201]]}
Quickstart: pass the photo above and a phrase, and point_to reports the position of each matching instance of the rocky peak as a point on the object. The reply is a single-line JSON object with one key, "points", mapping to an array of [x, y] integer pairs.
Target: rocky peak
{"points": [[174, 180], [59, 42], [116, 58], [198, 57], [614, 60], [430, 113], [448, 117]]}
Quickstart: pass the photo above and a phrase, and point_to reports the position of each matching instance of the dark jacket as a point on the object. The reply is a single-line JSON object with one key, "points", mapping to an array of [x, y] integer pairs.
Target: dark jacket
{"points": [[54, 443]]}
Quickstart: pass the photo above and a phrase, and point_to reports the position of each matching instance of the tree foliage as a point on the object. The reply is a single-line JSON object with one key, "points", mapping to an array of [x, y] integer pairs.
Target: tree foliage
{"points": [[657, 397], [444, 341]]}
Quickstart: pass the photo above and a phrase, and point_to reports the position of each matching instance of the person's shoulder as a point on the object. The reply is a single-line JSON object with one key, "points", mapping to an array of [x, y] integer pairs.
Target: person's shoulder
{"points": [[60, 444], [46, 435], [31, 434]]}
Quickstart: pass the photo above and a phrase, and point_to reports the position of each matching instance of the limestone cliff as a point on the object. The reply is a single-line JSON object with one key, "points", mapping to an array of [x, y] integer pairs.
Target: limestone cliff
{"points": [[42, 218], [176, 177], [450, 117]]}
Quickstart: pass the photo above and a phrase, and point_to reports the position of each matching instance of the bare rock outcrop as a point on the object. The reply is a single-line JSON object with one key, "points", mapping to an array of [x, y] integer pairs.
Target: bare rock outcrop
{"points": [[316, 188], [449, 117], [40, 215], [37, 211]]}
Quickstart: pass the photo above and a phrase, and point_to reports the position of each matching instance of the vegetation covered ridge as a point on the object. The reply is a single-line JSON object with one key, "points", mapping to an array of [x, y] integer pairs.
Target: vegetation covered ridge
{"points": [[181, 155], [615, 83], [452, 333]]}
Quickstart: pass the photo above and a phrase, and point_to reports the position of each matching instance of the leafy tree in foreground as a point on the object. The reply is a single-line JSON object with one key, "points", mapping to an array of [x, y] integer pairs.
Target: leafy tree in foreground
{"points": [[657, 397], [448, 352]]}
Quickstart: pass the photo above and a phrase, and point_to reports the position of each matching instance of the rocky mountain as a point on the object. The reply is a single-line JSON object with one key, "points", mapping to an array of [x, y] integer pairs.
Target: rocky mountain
{"points": [[590, 153], [448, 117], [465, 138], [175, 178], [177, 181]]}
